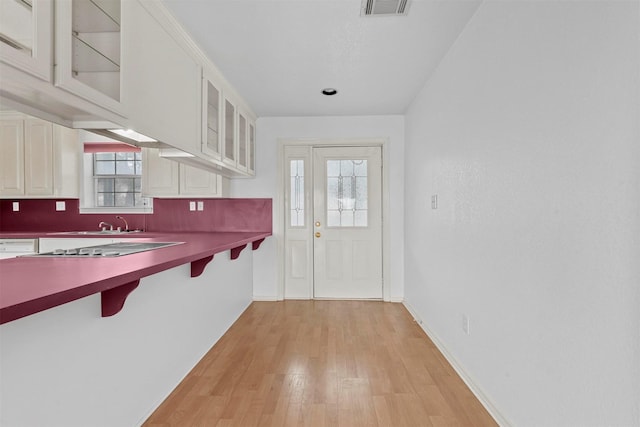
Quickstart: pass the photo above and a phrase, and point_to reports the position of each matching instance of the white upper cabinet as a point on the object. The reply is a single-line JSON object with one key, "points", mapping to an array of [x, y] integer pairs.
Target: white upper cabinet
{"points": [[26, 34], [39, 159], [228, 128], [160, 177], [124, 64], [88, 50], [198, 182], [167, 178], [162, 81]]}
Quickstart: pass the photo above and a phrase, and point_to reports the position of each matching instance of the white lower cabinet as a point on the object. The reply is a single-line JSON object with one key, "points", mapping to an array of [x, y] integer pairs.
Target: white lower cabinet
{"points": [[39, 159], [166, 178]]}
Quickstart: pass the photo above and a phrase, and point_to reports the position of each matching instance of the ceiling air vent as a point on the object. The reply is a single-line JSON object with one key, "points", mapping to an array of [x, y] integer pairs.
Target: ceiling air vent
{"points": [[383, 7]]}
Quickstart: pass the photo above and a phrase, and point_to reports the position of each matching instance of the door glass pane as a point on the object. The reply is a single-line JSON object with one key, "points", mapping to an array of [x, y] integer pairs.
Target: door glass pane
{"points": [[213, 102], [296, 192], [229, 125], [252, 148], [95, 45], [332, 193], [242, 140], [347, 193], [361, 193]]}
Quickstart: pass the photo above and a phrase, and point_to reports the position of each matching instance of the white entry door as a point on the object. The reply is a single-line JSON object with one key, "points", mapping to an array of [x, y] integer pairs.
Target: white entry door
{"points": [[347, 222], [333, 222]]}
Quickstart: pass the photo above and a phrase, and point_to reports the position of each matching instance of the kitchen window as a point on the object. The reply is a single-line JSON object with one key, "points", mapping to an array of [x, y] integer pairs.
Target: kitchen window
{"points": [[112, 181], [117, 179]]}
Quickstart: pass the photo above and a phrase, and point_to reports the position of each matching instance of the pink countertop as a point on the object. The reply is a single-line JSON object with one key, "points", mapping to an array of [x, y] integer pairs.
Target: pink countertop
{"points": [[32, 284]]}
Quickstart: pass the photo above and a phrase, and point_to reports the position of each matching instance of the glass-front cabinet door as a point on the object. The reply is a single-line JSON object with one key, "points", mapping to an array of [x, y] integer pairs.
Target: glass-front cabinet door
{"points": [[211, 101], [26, 31], [251, 162], [229, 146], [88, 42], [242, 142]]}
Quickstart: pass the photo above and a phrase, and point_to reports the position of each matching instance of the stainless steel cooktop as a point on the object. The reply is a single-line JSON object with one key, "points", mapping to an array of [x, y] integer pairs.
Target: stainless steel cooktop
{"points": [[107, 250]]}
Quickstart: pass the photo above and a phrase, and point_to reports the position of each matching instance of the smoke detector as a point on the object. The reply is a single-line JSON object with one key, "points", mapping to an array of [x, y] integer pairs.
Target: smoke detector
{"points": [[384, 7]]}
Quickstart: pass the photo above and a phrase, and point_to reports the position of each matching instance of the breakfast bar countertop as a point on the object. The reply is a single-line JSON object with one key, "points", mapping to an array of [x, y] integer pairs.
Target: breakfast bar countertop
{"points": [[29, 285]]}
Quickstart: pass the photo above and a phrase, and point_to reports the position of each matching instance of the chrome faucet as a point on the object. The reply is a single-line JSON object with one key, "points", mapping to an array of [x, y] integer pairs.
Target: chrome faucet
{"points": [[126, 224], [103, 225]]}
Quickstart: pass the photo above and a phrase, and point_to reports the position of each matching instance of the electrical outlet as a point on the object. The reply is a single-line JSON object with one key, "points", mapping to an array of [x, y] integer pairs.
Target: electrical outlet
{"points": [[466, 324], [61, 206], [192, 206], [200, 205], [434, 201], [16, 206]]}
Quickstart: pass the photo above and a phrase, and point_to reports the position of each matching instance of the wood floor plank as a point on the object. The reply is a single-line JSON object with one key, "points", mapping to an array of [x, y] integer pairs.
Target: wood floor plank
{"points": [[322, 363]]}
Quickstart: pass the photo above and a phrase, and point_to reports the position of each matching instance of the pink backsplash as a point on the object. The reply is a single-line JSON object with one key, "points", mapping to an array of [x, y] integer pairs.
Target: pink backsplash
{"points": [[168, 215]]}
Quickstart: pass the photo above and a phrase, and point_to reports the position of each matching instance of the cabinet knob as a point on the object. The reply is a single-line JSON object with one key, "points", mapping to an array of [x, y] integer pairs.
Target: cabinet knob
{"points": [[318, 234], [317, 223]]}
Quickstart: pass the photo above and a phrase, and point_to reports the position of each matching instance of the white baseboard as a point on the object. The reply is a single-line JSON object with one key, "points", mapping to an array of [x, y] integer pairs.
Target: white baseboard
{"points": [[264, 298], [396, 299], [475, 389]]}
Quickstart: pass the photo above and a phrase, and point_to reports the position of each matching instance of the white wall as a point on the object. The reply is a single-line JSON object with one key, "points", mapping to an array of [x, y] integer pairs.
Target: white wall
{"points": [[270, 129], [529, 134], [69, 367]]}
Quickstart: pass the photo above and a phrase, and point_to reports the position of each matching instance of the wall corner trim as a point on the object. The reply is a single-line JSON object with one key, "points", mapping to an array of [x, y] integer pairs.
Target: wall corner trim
{"points": [[475, 389]]}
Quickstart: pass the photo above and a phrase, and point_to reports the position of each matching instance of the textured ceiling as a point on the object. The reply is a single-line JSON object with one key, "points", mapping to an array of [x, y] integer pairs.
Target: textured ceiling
{"points": [[279, 54]]}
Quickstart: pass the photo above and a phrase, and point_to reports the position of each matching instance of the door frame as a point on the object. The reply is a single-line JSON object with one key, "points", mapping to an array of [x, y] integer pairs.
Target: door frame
{"points": [[280, 214]]}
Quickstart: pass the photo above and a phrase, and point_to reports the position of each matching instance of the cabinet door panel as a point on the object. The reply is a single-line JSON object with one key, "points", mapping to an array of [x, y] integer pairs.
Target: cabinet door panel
{"points": [[159, 176], [26, 30], [211, 119], [242, 142], [251, 166], [38, 150], [12, 159], [67, 152], [229, 151], [197, 182]]}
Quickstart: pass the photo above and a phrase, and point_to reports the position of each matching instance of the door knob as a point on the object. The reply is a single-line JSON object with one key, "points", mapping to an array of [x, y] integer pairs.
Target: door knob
{"points": [[318, 234]]}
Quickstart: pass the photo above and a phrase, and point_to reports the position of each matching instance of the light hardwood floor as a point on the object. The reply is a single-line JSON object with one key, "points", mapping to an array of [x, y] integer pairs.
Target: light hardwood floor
{"points": [[322, 363]]}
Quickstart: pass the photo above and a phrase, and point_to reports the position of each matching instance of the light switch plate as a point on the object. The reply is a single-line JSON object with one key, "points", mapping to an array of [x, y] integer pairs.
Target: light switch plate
{"points": [[16, 206], [466, 324], [434, 201], [61, 206], [192, 206], [200, 206]]}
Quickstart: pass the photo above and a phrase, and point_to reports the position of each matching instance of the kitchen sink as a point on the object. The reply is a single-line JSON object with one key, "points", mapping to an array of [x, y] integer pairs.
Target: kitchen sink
{"points": [[108, 250]]}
